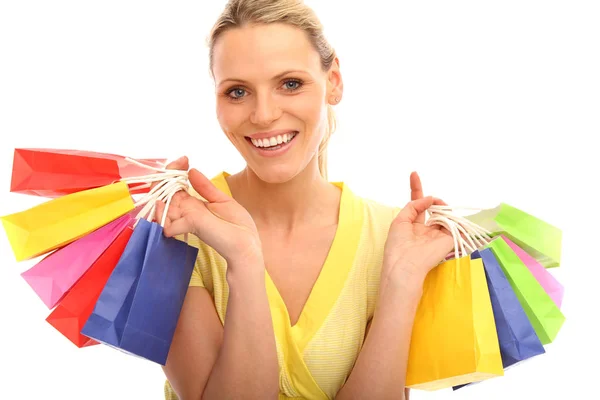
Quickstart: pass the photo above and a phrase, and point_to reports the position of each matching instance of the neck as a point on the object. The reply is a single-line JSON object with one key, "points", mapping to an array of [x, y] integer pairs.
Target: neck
{"points": [[306, 199]]}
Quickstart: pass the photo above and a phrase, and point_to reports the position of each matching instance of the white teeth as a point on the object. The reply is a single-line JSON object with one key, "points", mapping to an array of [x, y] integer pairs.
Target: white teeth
{"points": [[273, 141], [288, 136]]}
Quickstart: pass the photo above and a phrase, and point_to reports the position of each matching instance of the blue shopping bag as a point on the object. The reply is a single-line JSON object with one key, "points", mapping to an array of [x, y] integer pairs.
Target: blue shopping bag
{"points": [[138, 309], [516, 336]]}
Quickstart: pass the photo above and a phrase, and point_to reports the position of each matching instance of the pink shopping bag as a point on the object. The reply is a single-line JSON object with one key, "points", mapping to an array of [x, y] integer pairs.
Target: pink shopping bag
{"points": [[553, 287], [54, 276]]}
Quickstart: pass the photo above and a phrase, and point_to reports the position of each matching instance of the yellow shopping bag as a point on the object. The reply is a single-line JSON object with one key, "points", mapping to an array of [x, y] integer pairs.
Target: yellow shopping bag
{"points": [[454, 339], [60, 221]]}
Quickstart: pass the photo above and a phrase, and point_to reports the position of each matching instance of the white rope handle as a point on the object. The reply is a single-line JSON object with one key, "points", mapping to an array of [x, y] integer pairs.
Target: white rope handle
{"points": [[470, 246], [451, 226], [154, 177], [474, 230], [168, 183], [132, 180], [441, 207], [163, 190], [168, 192], [159, 189], [160, 174], [460, 219], [149, 200], [174, 190], [154, 192], [467, 236], [458, 230]]}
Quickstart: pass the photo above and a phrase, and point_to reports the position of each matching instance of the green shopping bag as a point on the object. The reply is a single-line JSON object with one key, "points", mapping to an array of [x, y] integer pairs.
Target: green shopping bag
{"points": [[542, 311], [538, 238]]}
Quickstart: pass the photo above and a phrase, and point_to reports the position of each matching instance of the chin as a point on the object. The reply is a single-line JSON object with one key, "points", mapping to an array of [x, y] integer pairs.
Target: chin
{"points": [[275, 173]]}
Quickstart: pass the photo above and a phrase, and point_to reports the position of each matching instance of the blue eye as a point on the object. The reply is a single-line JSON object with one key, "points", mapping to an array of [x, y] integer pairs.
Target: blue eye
{"points": [[238, 93], [292, 84]]}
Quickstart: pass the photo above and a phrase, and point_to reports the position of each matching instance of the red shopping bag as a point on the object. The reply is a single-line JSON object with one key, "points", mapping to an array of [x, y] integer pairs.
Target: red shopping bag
{"points": [[56, 172], [72, 312]]}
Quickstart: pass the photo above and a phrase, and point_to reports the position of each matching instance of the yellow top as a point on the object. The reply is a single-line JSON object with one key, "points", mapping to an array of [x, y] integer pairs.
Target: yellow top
{"points": [[317, 354]]}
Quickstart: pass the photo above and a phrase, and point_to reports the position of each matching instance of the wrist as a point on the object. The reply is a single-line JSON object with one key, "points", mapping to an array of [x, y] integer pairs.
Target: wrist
{"points": [[248, 269], [247, 251], [402, 277], [396, 294]]}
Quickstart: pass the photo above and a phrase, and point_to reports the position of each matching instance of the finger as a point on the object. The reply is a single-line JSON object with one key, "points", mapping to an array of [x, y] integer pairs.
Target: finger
{"points": [[416, 189], [182, 164], [178, 198], [412, 210], [205, 187], [177, 226], [439, 202]]}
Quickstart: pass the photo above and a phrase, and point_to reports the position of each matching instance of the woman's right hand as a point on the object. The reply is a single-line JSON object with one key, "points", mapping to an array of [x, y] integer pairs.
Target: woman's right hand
{"points": [[220, 221]]}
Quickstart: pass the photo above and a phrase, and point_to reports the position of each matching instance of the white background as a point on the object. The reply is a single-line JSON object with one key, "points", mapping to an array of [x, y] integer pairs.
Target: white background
{"points": [[489, 101]]}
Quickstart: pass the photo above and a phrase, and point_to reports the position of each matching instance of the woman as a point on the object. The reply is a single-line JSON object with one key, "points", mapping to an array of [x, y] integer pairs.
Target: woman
{"points": [[301, 289]]}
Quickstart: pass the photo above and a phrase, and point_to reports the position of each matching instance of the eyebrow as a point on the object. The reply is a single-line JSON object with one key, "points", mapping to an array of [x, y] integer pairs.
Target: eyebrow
{"points": [[276, 77]]}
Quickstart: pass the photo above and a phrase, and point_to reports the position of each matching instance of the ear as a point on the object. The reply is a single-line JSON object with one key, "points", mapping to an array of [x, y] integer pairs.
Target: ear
{"points": [[335, 85]]}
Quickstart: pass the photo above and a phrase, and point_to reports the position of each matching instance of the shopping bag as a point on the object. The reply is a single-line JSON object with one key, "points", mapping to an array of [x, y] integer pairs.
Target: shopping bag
{"points": [[74, 309], [537, 238], [550, 284], [516, 336], [454, 339], [138, 310], [54, 276], [56, 172], [543, 313], [60, 221]]}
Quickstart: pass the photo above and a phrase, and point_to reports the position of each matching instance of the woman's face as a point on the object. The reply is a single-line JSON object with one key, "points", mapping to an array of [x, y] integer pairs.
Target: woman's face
{"points": [[272, 96]]}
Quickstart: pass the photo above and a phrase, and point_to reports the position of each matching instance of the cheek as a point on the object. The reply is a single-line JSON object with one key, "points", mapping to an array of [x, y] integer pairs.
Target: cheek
{"points": [[311, 110], [229, 116]]}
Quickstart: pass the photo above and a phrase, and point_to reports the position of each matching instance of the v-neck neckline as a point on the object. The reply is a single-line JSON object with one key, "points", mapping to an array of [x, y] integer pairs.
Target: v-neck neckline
{"points": [[330, 280], [327, 289]]}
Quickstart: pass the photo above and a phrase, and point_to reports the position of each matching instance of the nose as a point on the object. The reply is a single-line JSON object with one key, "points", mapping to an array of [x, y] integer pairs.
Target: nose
{"points": [[266, 110]]}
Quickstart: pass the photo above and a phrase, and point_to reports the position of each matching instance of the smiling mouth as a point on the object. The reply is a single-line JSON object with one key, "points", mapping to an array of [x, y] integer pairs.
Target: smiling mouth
{"points": [[274, 143]]}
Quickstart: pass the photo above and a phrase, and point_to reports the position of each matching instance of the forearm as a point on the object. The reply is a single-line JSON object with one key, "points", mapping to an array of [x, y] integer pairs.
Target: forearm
{"points": [[380, 370], [246, 367]]}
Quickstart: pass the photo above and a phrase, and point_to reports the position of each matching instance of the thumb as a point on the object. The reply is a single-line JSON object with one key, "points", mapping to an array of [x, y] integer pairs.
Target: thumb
{"points": [[205, 187], [411, 212]]}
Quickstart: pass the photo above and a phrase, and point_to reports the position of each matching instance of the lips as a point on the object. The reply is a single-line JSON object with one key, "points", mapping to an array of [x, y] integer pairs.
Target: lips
{"points": [[274, 133]]}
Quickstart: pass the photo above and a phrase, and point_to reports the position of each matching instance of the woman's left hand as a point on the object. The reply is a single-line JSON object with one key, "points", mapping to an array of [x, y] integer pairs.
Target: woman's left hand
{"points": [[412, 249]]}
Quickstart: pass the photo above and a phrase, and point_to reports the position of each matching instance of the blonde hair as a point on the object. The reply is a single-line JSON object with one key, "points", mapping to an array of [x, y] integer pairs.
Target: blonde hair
{"points": [[238, 13]]}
